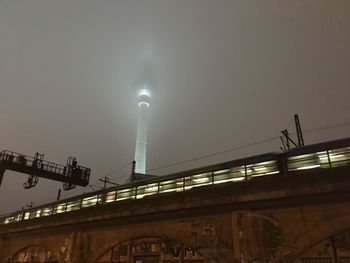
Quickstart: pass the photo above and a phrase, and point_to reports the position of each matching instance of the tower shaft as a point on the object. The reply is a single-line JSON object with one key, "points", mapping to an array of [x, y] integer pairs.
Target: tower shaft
{"points": [[140, 151]]}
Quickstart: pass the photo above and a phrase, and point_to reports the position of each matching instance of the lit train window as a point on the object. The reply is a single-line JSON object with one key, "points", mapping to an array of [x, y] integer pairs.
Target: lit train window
{"points": [[323, 159], [18, 217], [89, 201], [38, 213], [339, 157], [73, 205], [46, 211], [8, 220], [198, 180], [26, 215], [123, 194], [175, 185], [229, 175], [264, 168], [60, 208], [110, 197], [147, 189], [32, 214], [304, 162]]}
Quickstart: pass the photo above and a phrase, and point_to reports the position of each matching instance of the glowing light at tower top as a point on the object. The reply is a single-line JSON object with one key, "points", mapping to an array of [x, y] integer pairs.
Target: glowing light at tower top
{"points": [[144, 91], [144, 94]]}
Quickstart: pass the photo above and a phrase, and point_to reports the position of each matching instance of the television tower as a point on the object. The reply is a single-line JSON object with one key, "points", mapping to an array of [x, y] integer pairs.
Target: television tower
{"points": [[144, 95]]}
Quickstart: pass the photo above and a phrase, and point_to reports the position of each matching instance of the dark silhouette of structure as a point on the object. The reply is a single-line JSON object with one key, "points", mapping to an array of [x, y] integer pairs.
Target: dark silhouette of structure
{"points": [[71, 174]]}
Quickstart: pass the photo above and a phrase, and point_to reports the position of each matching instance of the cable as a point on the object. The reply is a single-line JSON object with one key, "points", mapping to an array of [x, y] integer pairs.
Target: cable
{"points": [[116, 170], [247, 145], [215, 153], [202, 157], [324, 127], [328, 127]]}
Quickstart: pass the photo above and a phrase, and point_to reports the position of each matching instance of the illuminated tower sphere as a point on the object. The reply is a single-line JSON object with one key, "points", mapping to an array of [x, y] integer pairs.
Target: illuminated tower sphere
{"points": [[144, 94]]}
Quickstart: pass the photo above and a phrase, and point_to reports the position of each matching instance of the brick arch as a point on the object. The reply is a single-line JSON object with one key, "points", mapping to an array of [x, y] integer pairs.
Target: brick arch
{"points": [[316, 236], [25, 248], [162, 239]]}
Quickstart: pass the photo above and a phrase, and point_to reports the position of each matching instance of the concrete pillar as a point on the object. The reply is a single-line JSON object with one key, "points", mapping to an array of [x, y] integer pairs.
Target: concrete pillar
{"points": [[80, 248], [236, 236], [75, 253]]}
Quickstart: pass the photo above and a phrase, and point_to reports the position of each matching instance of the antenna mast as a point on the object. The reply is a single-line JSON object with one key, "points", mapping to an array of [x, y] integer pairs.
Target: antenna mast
{"points": [[287, 140]]}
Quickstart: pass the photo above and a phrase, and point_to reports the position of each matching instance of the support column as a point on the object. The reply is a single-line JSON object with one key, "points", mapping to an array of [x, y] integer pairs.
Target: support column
{"points": [[75, 253], [80, 248], [236, 236]]}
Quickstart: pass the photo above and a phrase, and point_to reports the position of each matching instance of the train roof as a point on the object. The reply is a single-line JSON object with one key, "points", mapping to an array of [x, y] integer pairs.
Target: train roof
{"points": [[323, 146]]}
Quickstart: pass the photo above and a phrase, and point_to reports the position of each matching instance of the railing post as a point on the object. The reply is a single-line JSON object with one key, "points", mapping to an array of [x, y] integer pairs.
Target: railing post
{"points": [[329, 159]]}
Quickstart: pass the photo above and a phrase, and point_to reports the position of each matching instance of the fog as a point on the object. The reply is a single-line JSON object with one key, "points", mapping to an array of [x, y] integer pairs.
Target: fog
{"points": [[225, 74]]}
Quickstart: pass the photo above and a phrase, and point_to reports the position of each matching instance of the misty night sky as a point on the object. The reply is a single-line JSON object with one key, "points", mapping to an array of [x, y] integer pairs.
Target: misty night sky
{"points": [[226, 73]]}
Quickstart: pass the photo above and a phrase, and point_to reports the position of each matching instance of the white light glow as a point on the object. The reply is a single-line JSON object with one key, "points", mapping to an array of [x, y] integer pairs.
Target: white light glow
{"points": [[151, 189], [323, 157], [331, 156], [229, 180], [204, 179], [123, 198], [275, 172], [143, 103], [168, 190], [26, 216], [144, 92], [308, 167], [262, 168]]}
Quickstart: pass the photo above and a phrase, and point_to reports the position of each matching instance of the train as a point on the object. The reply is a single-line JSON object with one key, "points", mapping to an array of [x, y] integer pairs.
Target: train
{"points": [[306, 159]]}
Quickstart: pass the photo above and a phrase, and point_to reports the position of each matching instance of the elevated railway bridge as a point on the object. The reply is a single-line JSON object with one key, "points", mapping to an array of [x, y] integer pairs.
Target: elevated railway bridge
{"points": [[285, 207]]}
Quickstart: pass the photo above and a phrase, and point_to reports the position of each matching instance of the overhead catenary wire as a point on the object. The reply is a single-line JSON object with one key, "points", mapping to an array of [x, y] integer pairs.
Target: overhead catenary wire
{"points": [[215, 153], [52, 197], [117, 170], [338, 125], [198, 158], [245, 146]]}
